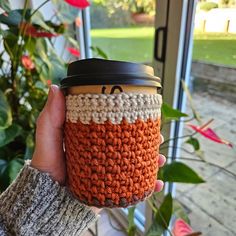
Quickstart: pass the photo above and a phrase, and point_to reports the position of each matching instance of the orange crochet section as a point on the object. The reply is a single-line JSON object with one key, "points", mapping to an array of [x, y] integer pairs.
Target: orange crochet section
{"points": [[112, 165]]}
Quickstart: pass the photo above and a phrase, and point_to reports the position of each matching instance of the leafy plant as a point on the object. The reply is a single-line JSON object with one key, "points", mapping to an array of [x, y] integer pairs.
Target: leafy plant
{"points": [[134, 6], [207, 6], [29, 63]]}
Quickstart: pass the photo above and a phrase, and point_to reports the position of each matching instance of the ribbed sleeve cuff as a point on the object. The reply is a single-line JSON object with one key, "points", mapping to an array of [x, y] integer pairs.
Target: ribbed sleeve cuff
{"points": [[36, 205]]}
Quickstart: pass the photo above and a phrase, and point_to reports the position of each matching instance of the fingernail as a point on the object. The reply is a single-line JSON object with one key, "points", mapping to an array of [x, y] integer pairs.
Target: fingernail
{"points": [[161, 160], [159, 186], [52, 91], [53, 88]]}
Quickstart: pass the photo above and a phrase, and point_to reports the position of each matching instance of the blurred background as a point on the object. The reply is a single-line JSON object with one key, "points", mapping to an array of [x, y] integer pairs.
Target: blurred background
{"points": [[192, 47]]}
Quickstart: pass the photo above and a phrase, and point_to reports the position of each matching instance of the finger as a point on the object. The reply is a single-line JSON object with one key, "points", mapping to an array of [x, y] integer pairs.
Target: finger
{"points": [[49, 155], [162, 139], [161, 160], [159, 186]]}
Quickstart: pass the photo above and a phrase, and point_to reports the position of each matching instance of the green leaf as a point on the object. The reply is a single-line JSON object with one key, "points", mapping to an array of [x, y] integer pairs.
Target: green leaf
{"points": [[196, 145], [181, 173], [29, 147], [200, 154], [99, 52], [37, 19], [65, 12], [30, 45], [3, 165], [42, 61], [13, 168], [11, 171], [58, 28], [194, 142], [131, 227], [169, 113], [10, 42], [73, 42], [3, 182], [42, 68], [162, 217], [5, 112], [58, 69], [13, 18], [5, 5], [179, 211], [9, 134]]}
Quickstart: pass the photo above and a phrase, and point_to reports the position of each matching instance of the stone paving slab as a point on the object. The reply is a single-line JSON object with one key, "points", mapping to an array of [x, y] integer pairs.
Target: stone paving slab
{"points": [[200, 221], [212, 205], [232, 168], [216, 199]]}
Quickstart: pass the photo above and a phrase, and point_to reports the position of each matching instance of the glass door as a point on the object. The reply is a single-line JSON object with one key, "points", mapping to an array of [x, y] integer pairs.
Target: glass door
{"points": [[163, 41]]}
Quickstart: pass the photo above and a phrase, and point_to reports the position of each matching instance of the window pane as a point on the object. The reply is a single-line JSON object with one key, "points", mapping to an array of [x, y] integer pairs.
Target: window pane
{"points": [[213, 90], [122, 33]]}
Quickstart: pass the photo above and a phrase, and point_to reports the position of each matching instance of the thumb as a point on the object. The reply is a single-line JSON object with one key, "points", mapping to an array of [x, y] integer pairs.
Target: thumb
{"points": [[49, 155]]}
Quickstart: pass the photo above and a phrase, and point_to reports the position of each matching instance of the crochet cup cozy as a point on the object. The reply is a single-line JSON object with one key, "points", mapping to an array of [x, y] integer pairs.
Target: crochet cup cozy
{"points": [[112, 143]]}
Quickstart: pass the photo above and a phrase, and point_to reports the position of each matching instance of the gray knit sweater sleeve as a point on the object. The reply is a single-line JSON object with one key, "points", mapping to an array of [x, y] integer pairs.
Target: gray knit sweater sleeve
{"points": [[36, 205]]}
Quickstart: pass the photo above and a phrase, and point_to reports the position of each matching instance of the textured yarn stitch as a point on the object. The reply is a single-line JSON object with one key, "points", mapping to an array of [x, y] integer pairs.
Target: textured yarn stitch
{"points": [[112, 164], [113, 107]]}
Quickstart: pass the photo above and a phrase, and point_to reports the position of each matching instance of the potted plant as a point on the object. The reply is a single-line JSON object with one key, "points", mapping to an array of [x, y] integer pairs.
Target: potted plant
{"points": [[29, 63], [142, 11]]}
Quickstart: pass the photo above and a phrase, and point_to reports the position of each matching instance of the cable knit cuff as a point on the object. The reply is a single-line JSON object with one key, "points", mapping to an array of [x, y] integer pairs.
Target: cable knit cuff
{"points": [[36, 205]]}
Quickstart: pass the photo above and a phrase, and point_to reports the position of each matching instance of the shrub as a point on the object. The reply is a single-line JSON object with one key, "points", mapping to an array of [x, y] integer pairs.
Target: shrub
{"points": [[207, 6]]}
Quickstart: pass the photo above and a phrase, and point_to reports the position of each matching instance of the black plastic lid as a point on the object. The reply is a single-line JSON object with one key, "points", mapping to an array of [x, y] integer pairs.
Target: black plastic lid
{"points": [[106, 72]]}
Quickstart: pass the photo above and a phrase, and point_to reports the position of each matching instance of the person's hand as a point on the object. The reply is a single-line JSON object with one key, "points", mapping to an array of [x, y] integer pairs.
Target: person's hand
{"points": [[49, 154], [161, 162]]}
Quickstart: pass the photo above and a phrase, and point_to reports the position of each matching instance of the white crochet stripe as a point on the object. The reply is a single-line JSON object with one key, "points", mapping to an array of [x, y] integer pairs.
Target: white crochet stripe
{"points": [[100, 108]]}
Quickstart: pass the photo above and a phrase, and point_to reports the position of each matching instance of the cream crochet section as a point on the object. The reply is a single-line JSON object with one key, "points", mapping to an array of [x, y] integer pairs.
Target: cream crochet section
{"points": [[100, 108]]}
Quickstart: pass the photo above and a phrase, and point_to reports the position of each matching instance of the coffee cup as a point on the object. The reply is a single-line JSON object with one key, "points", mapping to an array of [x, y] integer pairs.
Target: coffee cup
{"points": [[112, 131]]}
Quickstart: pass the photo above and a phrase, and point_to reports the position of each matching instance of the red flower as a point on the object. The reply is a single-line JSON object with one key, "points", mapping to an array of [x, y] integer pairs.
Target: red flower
{"points": [[209, 134], [27, 62], [30, 30], [78, 3], [73, 51], [181, 228], [49, 82]]}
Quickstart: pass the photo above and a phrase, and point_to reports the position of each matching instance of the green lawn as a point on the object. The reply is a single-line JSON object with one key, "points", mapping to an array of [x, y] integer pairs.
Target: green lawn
{"points": [[136, 44]]}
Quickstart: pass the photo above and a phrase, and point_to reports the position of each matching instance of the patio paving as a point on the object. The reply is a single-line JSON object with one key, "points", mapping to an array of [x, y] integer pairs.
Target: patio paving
{"points": [[212, 205]]}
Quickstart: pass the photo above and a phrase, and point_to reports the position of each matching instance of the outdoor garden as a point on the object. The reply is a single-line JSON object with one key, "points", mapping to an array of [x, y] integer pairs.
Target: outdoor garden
{"points": [[30, 63], [133, 41]]}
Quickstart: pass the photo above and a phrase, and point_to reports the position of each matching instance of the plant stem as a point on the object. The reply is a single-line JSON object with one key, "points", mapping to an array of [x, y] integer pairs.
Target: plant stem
{"points": [[41, 5], [209, 163], [14, 68], [182, 120], [111, 224], [151, 205], [181, 148], [177, 137], [163, 219]]}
